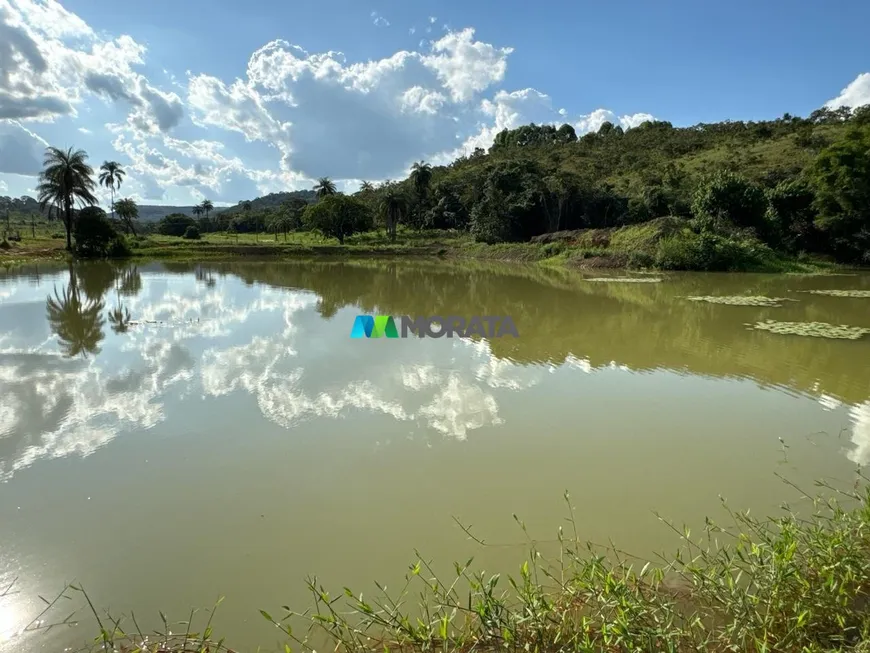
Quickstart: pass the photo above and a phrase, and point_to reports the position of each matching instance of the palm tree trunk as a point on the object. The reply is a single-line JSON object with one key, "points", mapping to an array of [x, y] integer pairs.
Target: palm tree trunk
{"points": [[113, 202], [68, 222]]}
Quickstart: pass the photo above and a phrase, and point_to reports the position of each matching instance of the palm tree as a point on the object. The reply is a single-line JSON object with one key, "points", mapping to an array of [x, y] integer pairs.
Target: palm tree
{"points": [[111, 176], [197, 210], [393, 206], [207, 206], [366, 187], [325, 186], [64, 180], [128, 211], [421, 175]]}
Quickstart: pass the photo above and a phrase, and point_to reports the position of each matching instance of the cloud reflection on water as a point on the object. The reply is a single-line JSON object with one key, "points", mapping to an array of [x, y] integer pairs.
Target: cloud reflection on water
{"points": [[181, 343], [195, 341]]}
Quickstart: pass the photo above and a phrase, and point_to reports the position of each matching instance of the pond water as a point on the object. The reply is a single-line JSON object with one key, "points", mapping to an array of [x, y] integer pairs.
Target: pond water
{"points": [[170, 433]]}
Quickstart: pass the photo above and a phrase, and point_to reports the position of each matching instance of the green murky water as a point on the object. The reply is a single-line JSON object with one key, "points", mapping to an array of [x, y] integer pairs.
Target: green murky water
{"points": [[171, 433]]}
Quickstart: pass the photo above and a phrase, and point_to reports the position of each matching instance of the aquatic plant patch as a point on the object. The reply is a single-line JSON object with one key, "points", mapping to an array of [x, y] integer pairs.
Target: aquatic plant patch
{"points": [[855, 294], [812, 329], [625, 279], [742, 300]]}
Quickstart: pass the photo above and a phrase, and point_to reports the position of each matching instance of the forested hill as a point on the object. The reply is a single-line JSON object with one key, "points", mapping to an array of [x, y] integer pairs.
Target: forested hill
{"points": [[798, 184], [270, 201]]}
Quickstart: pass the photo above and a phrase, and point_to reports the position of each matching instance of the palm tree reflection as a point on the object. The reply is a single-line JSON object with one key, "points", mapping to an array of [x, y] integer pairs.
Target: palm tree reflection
{"points": [[77, 324], [119, 318]]}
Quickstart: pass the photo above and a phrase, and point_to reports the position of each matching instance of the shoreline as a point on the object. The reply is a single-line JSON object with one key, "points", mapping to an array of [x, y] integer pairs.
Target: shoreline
{"points": [[577, 254]]}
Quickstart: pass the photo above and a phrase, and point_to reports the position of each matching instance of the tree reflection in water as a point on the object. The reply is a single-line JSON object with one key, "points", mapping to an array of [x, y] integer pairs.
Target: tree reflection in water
{"points": [[77, 324]]}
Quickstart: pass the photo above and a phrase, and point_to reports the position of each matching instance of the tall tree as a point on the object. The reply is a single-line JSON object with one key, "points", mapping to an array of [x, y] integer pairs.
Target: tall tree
{"points": [[338, 216], [197, 210], [66, 179], [366, 187], [421, 175], [325, 186], [207, 206], [112, 176], [393, 207], [128, 211]]}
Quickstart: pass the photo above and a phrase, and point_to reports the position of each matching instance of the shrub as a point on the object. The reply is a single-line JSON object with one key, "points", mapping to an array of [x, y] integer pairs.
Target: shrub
{"points": [[711, 252], [641, 260], [175, 224], [192, 233], [552, 249], [95, 237], [119, 247]]}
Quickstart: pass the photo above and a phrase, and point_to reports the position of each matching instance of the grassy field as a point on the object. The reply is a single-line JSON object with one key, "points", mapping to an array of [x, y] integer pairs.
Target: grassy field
{"points": [[635, 246]]}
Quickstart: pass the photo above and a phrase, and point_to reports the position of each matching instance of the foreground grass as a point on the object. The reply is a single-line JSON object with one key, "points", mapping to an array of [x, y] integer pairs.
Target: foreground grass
{"points": [[793, 583]]}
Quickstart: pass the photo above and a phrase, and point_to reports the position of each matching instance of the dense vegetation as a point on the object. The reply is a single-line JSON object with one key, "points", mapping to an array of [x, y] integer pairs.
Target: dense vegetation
{"points": [[739, 189], [723, 196]]}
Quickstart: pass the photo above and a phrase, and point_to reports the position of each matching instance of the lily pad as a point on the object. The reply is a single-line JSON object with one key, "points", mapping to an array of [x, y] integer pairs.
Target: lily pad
{"points": [[812, 329], [742, 300], [855, 294], [626, 279]]}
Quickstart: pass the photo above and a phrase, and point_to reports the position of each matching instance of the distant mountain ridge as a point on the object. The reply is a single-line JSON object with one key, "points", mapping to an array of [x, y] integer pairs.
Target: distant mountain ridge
{"points": [[154, 212]]}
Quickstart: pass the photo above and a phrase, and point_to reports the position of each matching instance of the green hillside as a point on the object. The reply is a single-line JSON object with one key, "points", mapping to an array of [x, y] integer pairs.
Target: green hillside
{"points": [[270, 201], [794, 185]]}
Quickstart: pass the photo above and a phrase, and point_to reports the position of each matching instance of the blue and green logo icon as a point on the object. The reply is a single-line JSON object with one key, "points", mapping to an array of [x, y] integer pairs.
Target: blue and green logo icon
{"points": [[374, 326]]}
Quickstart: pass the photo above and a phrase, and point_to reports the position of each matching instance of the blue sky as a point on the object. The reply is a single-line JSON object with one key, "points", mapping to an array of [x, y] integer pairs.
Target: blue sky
{"points": [[230, 100]]}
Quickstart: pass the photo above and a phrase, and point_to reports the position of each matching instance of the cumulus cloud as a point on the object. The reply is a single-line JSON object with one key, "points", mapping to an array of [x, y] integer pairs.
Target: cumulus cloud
{"points": [[50, 59], [856, 94], [369, 120], [466, 66], [318, 113], [592, 122]]}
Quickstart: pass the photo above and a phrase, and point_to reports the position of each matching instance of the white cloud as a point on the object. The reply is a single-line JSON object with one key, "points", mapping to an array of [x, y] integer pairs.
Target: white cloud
{"points": [[412, 30], [319, 113], [419, 99], [856, 94], [466, 66], [3, 187], [635, 120], [379, 21], [351, 120], [592, 122], [50, 59]]}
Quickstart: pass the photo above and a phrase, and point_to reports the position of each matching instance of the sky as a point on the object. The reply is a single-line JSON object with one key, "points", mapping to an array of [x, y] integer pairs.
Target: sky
{"points": [[231, 100]]}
